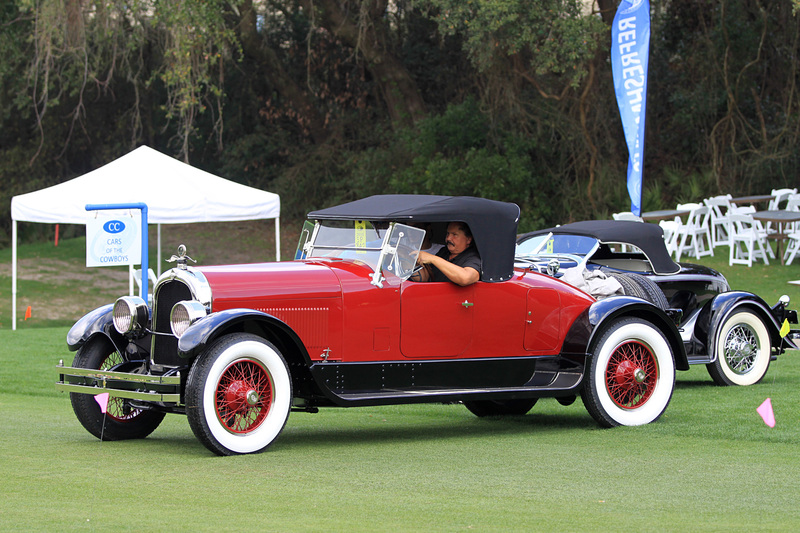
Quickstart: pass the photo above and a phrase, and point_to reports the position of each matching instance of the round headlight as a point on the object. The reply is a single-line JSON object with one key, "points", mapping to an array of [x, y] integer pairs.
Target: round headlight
{"points": [[184, 314], [130, 314]]}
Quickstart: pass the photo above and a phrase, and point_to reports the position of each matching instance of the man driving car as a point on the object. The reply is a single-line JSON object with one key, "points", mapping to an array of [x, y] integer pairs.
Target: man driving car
{"points": [[458, 261]]}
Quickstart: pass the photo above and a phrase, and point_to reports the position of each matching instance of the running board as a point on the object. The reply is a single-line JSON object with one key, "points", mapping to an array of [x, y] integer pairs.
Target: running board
{"points": [[351, 384], [698, 359]]}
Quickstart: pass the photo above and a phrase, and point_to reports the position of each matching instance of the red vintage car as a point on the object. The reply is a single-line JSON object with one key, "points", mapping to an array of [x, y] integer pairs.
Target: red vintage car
{"points": [[237, 348]]}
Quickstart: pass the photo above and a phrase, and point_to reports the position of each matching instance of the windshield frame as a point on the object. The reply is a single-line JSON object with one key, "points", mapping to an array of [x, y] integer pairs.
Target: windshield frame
{"points": [[347, 240]]}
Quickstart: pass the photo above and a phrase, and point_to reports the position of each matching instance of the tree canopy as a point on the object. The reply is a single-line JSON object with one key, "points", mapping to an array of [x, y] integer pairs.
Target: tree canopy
{"points": [[330, 100]]}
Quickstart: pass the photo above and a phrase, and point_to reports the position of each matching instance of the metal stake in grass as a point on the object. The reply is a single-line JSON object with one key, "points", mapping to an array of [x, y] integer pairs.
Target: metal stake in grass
{"points": [[102, 400]]}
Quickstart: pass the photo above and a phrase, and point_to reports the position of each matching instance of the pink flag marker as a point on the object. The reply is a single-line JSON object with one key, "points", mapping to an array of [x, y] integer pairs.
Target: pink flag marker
{"points": [[102, 399], [765, 410]]}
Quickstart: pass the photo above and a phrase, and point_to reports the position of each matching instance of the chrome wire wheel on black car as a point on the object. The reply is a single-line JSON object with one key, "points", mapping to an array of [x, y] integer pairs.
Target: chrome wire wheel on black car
{"points": [[121, 421], [742, 350], [238, 395], [631, 375]]}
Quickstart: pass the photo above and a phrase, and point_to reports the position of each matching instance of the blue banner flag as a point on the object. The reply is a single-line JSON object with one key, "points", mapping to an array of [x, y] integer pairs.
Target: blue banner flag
{"points": [[630, 50]]}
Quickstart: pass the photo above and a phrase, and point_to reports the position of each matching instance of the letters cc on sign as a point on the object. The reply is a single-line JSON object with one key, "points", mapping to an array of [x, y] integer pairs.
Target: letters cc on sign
{"points": [[114, 226]]}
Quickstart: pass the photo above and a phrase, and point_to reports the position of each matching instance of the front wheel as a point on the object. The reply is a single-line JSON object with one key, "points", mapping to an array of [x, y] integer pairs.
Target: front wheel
{"points": [[742, 350], [121, 421], [631, 375], [238, 395]]}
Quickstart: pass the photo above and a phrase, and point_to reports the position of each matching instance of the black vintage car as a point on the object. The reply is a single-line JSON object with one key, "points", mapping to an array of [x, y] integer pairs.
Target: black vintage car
{"points": [[734, 333]]}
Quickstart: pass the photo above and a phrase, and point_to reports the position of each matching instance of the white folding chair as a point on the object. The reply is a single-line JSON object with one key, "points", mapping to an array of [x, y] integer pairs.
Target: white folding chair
{"points": [[719, 223], [792, 247], [626, 215], [760, 229], [692, 233], [793, 204], [670, 229], [778, 196], [746, 241], [792, 230]]}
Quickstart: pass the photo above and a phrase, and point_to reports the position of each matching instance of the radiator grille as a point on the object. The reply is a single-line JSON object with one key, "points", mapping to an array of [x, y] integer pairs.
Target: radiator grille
{"points": [[165, 348]]}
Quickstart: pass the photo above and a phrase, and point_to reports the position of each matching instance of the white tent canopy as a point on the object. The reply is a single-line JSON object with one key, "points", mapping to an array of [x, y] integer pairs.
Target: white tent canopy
{"points": [[174, 192]]}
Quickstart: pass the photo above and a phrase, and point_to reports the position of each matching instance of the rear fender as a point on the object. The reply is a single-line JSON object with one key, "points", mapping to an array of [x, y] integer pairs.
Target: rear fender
{"points": [[591, 324], [722, 306]]}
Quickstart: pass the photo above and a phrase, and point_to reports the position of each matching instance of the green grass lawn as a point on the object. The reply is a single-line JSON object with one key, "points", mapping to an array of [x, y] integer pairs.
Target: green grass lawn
{"points": [[709, 464]]}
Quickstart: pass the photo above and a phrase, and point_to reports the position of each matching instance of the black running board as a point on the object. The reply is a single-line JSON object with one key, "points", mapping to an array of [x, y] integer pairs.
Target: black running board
{"points": [[352, 384]]}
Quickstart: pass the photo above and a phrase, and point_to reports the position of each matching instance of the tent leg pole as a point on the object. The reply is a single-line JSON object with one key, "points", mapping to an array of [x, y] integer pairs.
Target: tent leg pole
{"points": [[13, 275], [277, 238], [158, 254]]}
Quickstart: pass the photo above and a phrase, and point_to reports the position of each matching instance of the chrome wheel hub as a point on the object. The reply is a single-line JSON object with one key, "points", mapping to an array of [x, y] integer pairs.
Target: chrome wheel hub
{"points": [[252, 397], [741, 349]]}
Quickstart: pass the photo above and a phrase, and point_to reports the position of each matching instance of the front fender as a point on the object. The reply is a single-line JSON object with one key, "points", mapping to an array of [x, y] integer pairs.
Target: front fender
{"points": [[715, 313], [206, 330], [590, 325], [98, 321]]}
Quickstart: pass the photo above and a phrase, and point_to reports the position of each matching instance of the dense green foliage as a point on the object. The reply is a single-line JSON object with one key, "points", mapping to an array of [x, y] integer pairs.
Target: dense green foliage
{"points": [[326, 100]]}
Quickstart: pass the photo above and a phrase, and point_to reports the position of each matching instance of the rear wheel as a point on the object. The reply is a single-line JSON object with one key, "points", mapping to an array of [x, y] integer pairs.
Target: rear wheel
{"points": [[121, 421], [483, 408], [742, 350], [631, 375], [238, 395]]}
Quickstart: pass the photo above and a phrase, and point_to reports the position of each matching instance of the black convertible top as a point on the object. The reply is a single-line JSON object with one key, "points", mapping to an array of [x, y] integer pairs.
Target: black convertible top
{"points": [[493, 224], [647, 237]]}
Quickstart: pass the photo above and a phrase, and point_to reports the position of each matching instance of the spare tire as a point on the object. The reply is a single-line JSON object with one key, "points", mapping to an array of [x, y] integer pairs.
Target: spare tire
{"points": [[641, 287]]}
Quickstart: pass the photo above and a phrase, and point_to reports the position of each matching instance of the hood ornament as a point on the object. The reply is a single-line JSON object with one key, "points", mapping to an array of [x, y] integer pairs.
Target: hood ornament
{"points": [[181, 258]]}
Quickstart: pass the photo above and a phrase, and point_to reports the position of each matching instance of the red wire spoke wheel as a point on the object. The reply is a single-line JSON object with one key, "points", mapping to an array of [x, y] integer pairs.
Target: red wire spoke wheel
{"points": [[117, 409], [631, 374], [238, 395], [121, 421], [244, 396]]}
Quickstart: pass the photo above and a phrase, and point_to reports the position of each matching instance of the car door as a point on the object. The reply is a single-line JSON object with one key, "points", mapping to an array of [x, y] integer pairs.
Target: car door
{"points": [[436, 319]]}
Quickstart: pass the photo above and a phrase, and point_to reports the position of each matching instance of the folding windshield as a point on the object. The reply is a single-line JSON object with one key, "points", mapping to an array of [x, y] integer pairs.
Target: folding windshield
{"points": [[550, 244], [390, 245]]}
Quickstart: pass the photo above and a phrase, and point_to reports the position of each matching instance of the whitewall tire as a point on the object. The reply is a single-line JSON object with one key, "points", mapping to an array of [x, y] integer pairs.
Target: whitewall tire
{"points": [[742, 350], [631, 374], [238, 395]]}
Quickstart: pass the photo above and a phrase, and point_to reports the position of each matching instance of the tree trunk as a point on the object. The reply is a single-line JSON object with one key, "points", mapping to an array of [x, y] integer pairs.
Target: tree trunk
{"points": [[297, 97], [364, 30], [608, 8]]}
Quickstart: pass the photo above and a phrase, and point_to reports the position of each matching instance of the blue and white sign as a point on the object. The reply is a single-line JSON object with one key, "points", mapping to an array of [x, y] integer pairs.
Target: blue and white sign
{"points": [[113, 238], [630, 50]]}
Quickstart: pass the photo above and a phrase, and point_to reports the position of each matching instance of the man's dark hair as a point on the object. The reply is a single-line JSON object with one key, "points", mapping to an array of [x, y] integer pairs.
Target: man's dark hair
{"points": [[463, 226]]}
